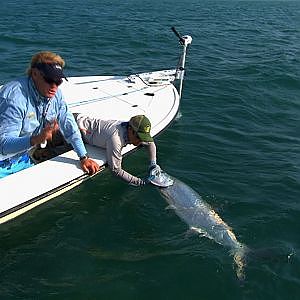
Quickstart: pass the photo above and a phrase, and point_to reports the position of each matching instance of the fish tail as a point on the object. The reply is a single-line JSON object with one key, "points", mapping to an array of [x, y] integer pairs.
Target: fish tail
{"points": [[239, 258]]}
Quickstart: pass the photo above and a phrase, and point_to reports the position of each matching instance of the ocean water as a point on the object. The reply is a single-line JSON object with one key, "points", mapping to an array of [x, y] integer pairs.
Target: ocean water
{"points": [[236, 143]]}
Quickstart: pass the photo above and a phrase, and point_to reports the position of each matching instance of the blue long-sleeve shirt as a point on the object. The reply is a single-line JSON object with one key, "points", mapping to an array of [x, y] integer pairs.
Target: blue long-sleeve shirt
{"points": [[23, 113]]}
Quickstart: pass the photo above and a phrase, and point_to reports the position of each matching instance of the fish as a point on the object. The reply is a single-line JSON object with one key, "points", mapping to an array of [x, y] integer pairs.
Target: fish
{"points": [[201, 218]]}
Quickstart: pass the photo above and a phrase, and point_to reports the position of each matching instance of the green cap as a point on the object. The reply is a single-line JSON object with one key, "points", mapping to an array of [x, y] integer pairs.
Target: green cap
{"points": [[142, 126]]}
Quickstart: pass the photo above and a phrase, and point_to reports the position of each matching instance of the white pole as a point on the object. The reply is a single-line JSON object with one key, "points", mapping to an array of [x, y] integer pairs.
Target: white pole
{"points": [[187, 40]]}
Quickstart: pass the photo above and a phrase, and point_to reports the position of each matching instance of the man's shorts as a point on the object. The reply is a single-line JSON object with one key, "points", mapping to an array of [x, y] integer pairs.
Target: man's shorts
{"points": [[14, 165]]}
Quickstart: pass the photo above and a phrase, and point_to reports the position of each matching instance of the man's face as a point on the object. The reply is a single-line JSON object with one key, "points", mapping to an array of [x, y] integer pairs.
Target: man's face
{"points": [[133, 137], [45, 86]]}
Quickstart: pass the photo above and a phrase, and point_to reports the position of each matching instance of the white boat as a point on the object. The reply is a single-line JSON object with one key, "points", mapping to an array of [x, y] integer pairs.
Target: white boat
{"points": [[153, 94]]}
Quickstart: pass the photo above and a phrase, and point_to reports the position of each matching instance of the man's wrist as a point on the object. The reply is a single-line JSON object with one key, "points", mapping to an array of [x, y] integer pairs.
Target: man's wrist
{"points": [[152, 163], [34, 140], [82, 158]]}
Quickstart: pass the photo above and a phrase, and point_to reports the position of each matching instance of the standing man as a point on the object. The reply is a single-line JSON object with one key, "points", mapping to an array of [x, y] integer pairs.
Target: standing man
{"points": [[113, 135], [32, 109]]}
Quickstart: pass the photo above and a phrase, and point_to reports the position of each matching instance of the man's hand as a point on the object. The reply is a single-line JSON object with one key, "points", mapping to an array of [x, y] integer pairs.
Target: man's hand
{"points": [[89, 166], [46, 134], [154, 170]]}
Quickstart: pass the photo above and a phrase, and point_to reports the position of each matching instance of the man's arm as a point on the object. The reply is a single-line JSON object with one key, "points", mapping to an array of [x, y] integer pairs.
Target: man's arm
{"points": [[11, 120], [152, 152], [114, 160]]}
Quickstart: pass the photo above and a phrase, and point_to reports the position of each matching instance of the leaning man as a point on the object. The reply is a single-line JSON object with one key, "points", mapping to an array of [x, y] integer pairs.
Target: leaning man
{"points": [[114, 135], [32, 109]]}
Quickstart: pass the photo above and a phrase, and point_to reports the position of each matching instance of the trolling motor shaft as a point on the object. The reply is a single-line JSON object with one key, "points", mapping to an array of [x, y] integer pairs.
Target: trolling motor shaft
{"points": [[184, 40]]}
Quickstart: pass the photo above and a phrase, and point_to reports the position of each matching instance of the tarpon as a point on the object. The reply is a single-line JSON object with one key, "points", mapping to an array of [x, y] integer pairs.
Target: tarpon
{"points": [[200, 217]]}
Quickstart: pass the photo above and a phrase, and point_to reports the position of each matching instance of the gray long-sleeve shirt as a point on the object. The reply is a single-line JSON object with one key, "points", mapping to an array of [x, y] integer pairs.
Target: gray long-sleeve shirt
{"points": [[112, 136]]}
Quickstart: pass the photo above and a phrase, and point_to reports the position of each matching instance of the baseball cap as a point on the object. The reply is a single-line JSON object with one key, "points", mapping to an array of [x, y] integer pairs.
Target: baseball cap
{"points": [[52, 71], [142, 126]]}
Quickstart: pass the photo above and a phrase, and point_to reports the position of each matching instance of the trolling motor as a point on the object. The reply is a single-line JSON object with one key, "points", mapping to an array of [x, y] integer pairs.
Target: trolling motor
{"points": [[184, 40], [168, 76]]}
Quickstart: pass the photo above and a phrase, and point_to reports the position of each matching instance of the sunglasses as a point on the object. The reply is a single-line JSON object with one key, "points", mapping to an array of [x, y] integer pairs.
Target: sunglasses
{"points": [[51, 81]]}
